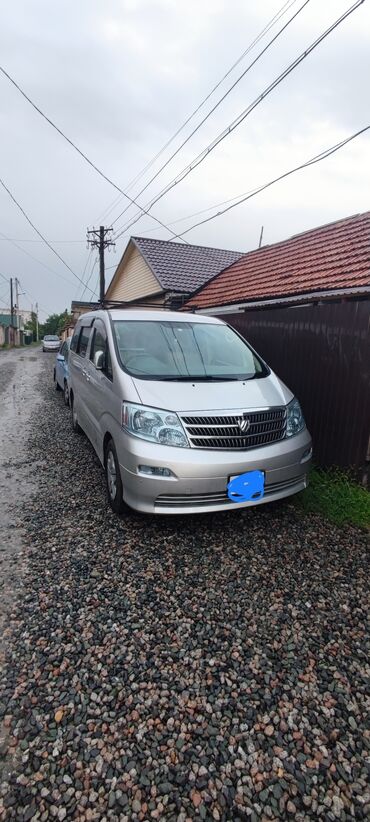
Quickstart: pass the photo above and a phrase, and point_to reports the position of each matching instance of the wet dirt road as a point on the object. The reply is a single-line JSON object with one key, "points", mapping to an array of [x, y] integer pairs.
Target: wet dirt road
{"points": [[19, 401]]}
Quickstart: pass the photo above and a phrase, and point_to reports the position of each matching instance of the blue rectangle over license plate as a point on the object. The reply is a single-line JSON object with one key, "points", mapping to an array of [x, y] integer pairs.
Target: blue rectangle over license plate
{"points": [[246, 487]]}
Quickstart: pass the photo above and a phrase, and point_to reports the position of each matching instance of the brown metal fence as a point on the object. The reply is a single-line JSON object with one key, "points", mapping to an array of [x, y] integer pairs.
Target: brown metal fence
{"points": [[322, 352]]}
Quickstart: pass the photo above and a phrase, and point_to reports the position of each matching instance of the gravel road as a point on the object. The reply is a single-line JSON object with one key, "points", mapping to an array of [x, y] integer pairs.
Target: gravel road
{"points": [[211, 668]]}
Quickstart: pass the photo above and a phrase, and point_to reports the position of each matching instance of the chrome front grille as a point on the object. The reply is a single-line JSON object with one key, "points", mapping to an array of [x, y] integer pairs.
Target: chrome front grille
{"points": [[265, 427], [221, 497]]}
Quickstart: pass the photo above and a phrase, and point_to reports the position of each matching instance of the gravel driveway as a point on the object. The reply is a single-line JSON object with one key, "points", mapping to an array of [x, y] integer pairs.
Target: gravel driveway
{"points": [[174, 669]]}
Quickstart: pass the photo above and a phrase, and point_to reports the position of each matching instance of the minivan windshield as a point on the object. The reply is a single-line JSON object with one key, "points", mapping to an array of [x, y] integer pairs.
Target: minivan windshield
{"points": [[161, 350]]}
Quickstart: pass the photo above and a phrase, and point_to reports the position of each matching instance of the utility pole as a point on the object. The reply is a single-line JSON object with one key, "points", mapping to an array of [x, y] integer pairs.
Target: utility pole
{"points": [[11, 313], [37, 321], [17, 315], [100, 239]]}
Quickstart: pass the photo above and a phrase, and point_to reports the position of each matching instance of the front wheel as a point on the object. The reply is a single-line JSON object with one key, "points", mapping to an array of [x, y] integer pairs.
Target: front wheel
{"points": [[113, 479], [57, 386], [66, 393], [75, 425]]}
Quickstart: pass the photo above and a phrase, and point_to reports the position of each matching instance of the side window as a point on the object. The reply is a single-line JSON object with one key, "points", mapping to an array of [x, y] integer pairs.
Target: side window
{"points": [[108, 364], [75, 337], [100, 343], [64, 349], [83, 341]]}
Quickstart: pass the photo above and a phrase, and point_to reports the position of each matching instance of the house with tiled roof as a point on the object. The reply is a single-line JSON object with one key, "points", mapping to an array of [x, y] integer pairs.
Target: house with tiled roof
{"points": [[332, 261], [163, 272], [304, 305]]}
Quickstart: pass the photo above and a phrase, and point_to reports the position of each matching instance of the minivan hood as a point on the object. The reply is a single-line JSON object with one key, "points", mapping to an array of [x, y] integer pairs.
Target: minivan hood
{"points": [[213, 396]]}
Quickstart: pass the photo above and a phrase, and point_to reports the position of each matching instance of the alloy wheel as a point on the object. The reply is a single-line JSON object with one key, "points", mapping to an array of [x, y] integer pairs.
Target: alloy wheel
{"points": [[111, 475]]}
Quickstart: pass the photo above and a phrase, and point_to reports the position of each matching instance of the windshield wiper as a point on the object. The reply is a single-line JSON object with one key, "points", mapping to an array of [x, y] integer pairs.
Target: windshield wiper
{"points": [[197, 378]]}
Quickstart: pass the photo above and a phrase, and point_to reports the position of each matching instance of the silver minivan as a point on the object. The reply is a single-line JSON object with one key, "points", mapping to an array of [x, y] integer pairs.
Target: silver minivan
{"points": [[184, 415]]}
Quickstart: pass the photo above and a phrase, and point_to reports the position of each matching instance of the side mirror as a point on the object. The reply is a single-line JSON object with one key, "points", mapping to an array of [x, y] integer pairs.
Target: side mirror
{"points": [[60, 358], [99, 360]]}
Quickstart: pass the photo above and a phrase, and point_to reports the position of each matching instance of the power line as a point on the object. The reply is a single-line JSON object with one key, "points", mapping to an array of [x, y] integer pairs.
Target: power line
{"points": [[317, 159], [81, 153], [88, 259], [238, 120], [89, 278], [4, 278], [39, 232], [216, 105], [36, 259], [57, 242], [32, 300], [276, 17], [241, 198], [193, 214]]}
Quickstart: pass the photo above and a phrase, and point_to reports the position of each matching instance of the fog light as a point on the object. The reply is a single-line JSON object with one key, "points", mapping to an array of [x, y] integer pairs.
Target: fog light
{"points": [[155, 471], [307, 454]]}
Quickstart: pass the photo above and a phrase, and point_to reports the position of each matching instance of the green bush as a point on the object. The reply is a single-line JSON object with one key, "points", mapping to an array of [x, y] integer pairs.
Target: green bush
{"points": [[337, 496]]}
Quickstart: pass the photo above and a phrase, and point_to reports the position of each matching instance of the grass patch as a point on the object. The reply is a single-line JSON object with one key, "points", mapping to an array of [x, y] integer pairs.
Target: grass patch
{"points": [[335, 495]]}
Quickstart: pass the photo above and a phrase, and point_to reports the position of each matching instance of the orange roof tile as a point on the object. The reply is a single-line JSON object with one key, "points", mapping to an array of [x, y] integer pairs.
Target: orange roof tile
{"points": [[333, 256]]}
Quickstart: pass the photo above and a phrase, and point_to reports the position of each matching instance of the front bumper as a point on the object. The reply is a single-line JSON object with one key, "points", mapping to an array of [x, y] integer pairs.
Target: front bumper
{"points": [[201, 476]]}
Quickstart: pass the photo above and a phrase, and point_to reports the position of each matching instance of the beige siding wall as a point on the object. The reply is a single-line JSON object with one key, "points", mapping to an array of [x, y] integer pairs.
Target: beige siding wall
{"points": [[134, 281]]}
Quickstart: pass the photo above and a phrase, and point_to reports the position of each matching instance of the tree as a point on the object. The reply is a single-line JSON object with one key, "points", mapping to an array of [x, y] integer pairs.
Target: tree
{"points": [[31, 325], [55, 322]]}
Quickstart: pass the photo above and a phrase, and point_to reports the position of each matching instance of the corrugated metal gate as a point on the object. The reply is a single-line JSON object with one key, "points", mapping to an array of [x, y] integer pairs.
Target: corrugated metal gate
{"points": [[322, 352]]}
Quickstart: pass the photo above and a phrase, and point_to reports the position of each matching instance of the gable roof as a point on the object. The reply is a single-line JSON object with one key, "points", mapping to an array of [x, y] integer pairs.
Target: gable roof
{"points": [[182, 268], [333, 256]]}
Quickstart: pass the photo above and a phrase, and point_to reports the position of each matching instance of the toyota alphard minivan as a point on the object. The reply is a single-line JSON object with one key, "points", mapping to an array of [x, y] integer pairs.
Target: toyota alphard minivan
{"points": [[184, 415]]}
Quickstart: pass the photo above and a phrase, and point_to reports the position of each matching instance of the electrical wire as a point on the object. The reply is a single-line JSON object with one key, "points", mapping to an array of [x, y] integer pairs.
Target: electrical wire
{"points": [[57, 242], [32, 299], [88, 260], [193, 214], [81, 153], [36, 259], [39, 233], [317, 159], [216, 105], [90, 275], [4, 278], [277, 16], [238, 120]]}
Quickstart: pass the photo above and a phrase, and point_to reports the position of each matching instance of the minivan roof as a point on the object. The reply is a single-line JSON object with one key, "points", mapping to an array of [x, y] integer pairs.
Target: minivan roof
{"points": [[151, 315]]}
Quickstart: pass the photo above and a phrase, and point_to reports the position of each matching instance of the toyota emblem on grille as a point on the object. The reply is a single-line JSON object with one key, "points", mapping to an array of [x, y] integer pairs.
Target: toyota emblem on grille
{"points": [[244, 424]]}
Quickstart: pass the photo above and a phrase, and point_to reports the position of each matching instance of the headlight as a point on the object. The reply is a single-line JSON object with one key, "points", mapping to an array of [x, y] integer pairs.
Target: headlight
{"points": [[294, 418], [154, 425]]}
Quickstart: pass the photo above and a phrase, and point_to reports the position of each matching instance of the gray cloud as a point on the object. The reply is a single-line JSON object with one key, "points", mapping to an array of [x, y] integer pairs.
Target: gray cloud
{"points": [[120, 77]]}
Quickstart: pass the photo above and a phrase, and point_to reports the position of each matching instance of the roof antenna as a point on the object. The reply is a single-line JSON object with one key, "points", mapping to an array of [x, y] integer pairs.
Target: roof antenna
{"points": [[261, 235]]}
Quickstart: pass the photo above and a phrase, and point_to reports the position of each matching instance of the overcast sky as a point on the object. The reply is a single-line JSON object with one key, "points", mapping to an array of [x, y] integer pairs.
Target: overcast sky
{"points": [[120, 76]]}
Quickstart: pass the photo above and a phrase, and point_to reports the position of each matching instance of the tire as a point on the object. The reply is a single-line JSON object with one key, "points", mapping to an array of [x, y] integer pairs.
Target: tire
{"points": [[76, 427], [57, 386], [66, 393], [113, 479]]}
